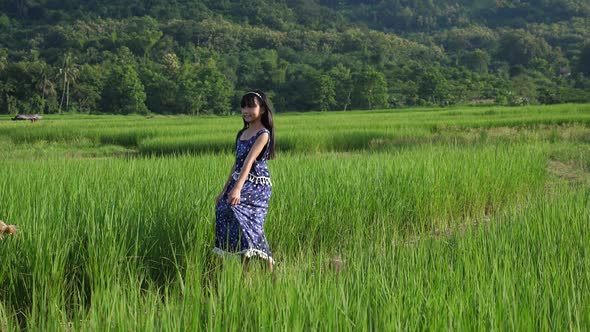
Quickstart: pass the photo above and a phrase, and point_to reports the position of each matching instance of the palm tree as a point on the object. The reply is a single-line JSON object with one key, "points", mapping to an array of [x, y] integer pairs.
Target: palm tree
{"points": [[68, 73], [45, 85]]}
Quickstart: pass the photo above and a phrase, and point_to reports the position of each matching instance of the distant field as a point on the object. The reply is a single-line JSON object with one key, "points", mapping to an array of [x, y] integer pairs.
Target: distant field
{"points": [[460, 218]]}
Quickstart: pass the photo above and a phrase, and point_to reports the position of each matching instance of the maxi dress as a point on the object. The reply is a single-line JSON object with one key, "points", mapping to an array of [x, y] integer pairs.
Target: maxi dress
{"points": [[239, 229]]}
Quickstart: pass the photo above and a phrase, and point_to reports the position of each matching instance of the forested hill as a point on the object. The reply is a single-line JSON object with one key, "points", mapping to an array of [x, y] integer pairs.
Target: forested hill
{"points": [[394, 15], [196, 57]]}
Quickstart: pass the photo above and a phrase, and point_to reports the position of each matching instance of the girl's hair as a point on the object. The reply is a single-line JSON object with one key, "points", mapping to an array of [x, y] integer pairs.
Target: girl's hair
{"points": [[257, 97]]}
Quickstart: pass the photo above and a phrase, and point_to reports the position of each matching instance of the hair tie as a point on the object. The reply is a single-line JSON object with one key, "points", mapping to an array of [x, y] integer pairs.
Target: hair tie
{"points": [[255, 93]]}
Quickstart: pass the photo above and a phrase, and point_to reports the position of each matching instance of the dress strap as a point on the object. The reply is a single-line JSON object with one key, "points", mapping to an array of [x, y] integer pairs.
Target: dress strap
{"points": [[261, 131]]}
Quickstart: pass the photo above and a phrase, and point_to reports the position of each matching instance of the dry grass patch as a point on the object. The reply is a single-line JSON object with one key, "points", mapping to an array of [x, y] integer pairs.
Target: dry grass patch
{"points": [[568, 172]]}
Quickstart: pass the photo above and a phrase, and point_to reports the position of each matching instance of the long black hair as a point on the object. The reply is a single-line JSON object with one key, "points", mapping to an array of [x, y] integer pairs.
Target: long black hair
{"points": [[257, 97]]}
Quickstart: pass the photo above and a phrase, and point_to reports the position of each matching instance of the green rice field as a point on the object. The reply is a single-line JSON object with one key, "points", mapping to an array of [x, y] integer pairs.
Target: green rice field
{"points": [[444, 219]]}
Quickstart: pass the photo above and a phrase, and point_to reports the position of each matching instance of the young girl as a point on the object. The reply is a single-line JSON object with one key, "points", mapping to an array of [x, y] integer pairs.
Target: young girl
{"points": [[243, 203]]}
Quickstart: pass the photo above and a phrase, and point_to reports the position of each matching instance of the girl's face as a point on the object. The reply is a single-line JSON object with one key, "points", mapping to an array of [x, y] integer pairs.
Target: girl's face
{"points": [[252, 114]]}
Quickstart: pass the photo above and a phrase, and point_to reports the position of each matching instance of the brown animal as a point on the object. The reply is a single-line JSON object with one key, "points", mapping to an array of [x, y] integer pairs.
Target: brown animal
{"points": [[31, 117], [8, 229]]}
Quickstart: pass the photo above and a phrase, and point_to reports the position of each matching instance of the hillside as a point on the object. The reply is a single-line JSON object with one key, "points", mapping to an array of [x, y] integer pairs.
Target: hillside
{"points": [[197, 57]]}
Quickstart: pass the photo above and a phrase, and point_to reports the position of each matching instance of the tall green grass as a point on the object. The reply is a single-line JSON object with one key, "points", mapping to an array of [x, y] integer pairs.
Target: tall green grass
{"points": [[437, 232], [296, 132]]}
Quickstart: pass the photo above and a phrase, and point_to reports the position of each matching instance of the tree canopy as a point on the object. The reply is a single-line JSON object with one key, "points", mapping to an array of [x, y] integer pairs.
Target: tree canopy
{"points": [[197, 57]]}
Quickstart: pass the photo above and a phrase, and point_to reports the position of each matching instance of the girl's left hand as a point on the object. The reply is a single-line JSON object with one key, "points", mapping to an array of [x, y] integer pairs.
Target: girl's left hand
{"points": [[233, 198]]}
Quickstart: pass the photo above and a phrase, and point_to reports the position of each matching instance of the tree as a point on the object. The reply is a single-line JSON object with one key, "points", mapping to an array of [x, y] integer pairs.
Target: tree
{"points": [[141, 34], [215, 89], [262, 69], [548, 95], [162, 91], [433, 87], [6, 87], [89, 87], [371, 89], [162, 84], [45, 85], [190, 94], [3, 59], [478, 61], [204, 89], [327, 92], [524, 87], [456, 43], [342, 78], [67, 74], [123, 92], [583, 65], [519, 47], [300, 91]]}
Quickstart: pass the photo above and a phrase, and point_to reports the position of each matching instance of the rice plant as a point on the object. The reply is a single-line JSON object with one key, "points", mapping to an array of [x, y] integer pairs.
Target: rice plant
{"points": [[413, 219]]}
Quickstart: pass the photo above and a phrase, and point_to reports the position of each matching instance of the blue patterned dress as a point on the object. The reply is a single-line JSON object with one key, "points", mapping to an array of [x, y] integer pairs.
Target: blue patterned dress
{"points": [[239, 229]]}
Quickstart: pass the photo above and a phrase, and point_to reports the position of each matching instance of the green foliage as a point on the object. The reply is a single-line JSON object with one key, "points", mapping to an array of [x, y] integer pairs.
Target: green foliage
{"points": [[308, 54], [140, 34], [88, 88], [583, 65], [213, 88], [343, 85], [123, 92], [477, 61], [261, 68], [371, 89], [327, 92], [519, 47], [432, 86]]}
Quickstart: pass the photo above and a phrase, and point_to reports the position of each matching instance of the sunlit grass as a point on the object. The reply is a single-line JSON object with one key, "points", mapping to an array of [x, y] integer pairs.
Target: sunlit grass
{"points": [[300, 132], [442, 224]]}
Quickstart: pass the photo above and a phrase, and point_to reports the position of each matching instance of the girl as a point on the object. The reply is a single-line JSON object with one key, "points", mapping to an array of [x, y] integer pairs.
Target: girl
{"points": [[242, 205]]}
